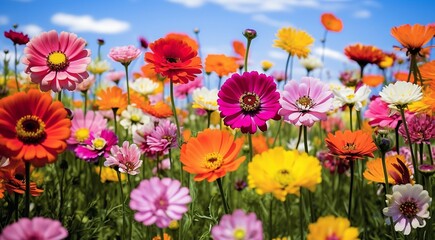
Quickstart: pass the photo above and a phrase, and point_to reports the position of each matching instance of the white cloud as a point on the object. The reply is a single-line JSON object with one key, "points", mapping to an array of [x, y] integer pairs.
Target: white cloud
{"points": [[269, 21], [189, 3], [332, 54], [86, 23], [4, 20], [31, 29], [278, 55], [362, 14]]}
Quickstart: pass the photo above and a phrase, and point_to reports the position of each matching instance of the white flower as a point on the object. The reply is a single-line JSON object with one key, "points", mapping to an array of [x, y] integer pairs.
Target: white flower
{"points": [[133, 118], [301, 148], [400, 94], [310, 63], [347, 96], [144, 86], [205, 99], [98, 66], [4, 161], [408, 207]]}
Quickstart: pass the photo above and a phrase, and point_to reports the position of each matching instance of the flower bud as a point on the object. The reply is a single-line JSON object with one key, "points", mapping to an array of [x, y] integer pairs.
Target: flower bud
{"points": [[250, 33], [100, 41], [426, 169]]}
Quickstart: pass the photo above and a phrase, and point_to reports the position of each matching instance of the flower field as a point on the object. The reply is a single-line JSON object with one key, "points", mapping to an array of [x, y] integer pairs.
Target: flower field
{"points": [[204, 147]]}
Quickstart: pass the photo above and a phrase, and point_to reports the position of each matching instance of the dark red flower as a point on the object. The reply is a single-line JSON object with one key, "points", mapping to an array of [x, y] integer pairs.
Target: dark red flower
{"points": [[143, 42], [17, 37]]}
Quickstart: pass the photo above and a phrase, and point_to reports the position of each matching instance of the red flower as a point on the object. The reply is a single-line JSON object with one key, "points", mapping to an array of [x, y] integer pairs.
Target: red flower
{"points": [[174, 59], [17, 37]]}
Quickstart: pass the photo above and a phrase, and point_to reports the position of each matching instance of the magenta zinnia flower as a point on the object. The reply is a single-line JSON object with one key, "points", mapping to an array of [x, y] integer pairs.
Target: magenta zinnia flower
{"points": [[238, 225], [159, 201], [305, 102], [381, 115], [125, 158], [247, 101], [36, 228], [97, 145], [83, 126], [421, 128], [18, 38], [57, 61], [124, 54], [163, 138]]}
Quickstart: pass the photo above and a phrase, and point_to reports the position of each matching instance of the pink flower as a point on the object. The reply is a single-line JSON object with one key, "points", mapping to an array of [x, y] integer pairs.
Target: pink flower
{"points": [[165, 164], [238, 225], [380, 114], [140, 137], [305, 102], [36, 228], [115, 76], [86, 84], [248, 101], [159, 201], [421, 128], [182, 90], [124, 54], [332, 124], [57, 61], [83, 126], [97, 145], [163, 138], [125, 158]]}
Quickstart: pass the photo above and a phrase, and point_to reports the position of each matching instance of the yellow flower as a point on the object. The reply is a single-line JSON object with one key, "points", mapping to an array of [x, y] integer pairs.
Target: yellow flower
{"points": [[283, 172], [386, 62], [173, 225], [331, 227], [427, 103], [295, 42], [108, 174], [266, 65]]}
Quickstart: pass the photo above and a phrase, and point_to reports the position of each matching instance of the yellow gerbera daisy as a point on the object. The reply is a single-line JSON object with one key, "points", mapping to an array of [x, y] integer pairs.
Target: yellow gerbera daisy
{"points": [[294, 41], [331, 227], [108, 174], [283, 172]]}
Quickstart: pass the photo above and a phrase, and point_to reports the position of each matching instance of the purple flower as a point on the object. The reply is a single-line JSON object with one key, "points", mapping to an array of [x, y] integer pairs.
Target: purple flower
{"points": [[125, 158], [124, 54], [305, 102], [140, 137], [159, 201], [163, 138], [248, 101], [239, 225], [421, 128], [97, 145], [36, 228]]}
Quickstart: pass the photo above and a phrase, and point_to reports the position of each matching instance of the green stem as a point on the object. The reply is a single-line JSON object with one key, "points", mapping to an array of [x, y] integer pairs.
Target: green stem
{"points": [[304, 128], [59, 96], [221, 190], [429, 150], [358, 119], [15, 68], [220, 82], [277, 133], [352, 173], [414, 162], [420, 148], [286, 68], [248, 45], [208, 118], [16, 201], [162, 233], [123, 205], [85, 105], [301, 220], [61, 193], [350, 117], [126, 80], [27, 198], [115, 124], [251, 150], [384, 168], [270, 218], [428, 186], [174, 110], [396, 132], [299, 138]]}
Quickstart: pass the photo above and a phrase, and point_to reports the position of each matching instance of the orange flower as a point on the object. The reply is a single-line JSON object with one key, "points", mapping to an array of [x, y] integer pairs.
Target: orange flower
{"points": [[158, 110], [372, 80], [220, 64], [260, 143], [148, 71], [33, 128], [363, 54], [185, 38], [427, 71], [13, 177], [240, 50], [331, 22], [427, 104], [212, 160], [413, 38], [398, 172], [112, 98], [2, 189], [403, 76], [165, 237], [351, 145]]}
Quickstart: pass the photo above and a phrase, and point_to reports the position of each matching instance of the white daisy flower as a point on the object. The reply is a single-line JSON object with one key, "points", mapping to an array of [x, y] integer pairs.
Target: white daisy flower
{"points": [[133, 118], [400, 94], [347, 96], [144, 86], [205, 99]]}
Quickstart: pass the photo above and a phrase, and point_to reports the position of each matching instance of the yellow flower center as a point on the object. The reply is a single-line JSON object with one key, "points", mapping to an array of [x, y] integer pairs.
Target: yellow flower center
{"points": [[239, 234], [349, 146], [99, 143], [350, 96], [82, 134], [30, 129], [57, 61], [249, 102], [304, 103], [213, 161], [135, 118], [283, 177]]}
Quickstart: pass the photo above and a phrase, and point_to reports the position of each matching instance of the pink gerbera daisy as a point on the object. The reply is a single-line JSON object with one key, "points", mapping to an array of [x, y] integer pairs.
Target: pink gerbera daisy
{"points": [[182, 90], [124, 54], [82, 126], [159, 201], [247, 101], [126, 158], [381, 115], [239, 225], [305, 102], [36, 228], [57, 61], [163, 138], [97, 145]]}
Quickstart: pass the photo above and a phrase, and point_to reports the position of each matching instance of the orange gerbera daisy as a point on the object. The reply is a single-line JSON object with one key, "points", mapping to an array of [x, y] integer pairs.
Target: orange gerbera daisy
{"points": [[331, 22], [427, 71], [174, 59], [260, 143], [413, 38], [212, 160], [221, 64], [112, 98], [373, 80], [158, 110], [363, 54], [185, 38], [351, 145], [398, 172], [14, 180], [33, 128]]}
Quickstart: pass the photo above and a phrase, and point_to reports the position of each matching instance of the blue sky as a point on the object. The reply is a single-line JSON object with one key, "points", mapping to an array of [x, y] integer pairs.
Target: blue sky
{"points": [[220, 22]]}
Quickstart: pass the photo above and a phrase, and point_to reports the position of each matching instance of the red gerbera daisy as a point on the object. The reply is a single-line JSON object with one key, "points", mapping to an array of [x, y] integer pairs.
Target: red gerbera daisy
{"points": [[32, 127], [174, 59]]}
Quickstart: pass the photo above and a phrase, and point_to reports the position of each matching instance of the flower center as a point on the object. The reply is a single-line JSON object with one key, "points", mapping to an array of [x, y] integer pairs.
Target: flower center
{"points": [[249, 102], [239, 234], [30, 129], [409, 209], [172, 59], [162, 203], [349, 146], [57, 61], [98, 143], [135, 118], [82, 134], [129, 166], [332, 237], [350, 97], [283, 177], [213, 160], [304, 103]]}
